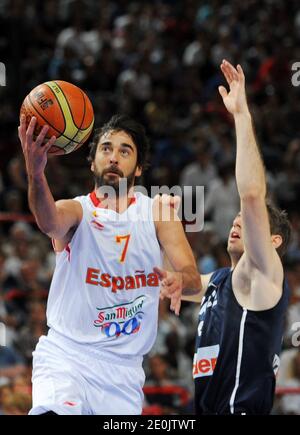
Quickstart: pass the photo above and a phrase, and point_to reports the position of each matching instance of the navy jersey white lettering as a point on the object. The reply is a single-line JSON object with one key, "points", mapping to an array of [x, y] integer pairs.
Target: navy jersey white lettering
{"points": [[237, 351]]}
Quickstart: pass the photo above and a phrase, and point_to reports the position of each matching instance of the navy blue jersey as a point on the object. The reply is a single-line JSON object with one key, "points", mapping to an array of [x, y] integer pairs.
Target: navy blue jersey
{"points": [[237, 351]]}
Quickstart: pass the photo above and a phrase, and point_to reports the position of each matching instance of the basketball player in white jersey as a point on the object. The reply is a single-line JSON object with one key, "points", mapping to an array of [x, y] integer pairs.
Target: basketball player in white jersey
{"points": [[103, 303]]}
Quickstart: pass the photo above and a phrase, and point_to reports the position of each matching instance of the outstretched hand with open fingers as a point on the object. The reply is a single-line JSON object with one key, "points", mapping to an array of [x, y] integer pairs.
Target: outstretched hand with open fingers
{"points": [[35, 151], [235, 100], [171, 287]]}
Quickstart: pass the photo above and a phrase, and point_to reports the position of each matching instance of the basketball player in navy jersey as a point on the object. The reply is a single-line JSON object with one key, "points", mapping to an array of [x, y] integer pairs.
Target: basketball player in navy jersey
{"points": [[241, 319]]}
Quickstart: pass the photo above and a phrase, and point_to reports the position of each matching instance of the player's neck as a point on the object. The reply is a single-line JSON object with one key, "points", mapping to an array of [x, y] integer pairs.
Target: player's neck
{"points": [[234, 260], [117, 203]]}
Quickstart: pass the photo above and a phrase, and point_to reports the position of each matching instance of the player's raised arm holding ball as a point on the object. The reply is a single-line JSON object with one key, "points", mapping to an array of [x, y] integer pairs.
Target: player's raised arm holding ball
{"points": [[54, 219], [56, 118]]}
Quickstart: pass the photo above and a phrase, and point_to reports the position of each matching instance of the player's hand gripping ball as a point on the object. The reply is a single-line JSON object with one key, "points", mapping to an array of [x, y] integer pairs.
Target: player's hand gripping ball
{"points": [[66, 109]]}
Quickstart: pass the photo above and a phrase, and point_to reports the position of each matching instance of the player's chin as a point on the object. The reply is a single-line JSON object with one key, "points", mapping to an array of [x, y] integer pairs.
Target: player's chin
{"points": [[111, 176], [235, 248], [111, 180]]}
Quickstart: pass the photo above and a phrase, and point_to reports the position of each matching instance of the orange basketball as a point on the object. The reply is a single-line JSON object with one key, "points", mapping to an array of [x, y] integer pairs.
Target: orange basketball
{"points": [[66, 109]]}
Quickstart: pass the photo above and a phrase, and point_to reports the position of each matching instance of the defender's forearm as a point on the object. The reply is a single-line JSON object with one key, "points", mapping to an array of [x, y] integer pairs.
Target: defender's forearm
{"points": [[42, 204], [250, 172]]}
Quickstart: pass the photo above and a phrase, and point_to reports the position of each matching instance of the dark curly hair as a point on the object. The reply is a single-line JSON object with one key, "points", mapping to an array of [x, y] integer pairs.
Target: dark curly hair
{"points": [[279, 224], [134, 129]]}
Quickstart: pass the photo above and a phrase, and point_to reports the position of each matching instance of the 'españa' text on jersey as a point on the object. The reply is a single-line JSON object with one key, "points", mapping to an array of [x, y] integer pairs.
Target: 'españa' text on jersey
{"points": [[104, 292]]}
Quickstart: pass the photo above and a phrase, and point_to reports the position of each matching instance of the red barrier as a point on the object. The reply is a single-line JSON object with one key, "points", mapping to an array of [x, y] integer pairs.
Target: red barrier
{"points": [[16, 217], [281, 391]]}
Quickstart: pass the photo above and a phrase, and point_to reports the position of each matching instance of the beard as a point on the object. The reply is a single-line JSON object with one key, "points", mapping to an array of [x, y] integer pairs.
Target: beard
{"points": [[118, 182]]}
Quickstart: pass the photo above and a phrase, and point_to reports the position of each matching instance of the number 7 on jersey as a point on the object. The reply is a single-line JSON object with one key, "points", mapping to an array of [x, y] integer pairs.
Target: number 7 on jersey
{"points": [[120, 239]]}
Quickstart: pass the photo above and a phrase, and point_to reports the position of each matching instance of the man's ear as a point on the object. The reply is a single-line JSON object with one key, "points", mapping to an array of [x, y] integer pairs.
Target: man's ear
{"points": [[276, 240], [138, 171], [92, 167]]}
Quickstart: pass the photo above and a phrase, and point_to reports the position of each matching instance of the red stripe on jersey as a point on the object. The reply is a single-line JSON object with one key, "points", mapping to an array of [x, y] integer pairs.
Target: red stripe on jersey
{"points": [[68, 249], [97, 202]]}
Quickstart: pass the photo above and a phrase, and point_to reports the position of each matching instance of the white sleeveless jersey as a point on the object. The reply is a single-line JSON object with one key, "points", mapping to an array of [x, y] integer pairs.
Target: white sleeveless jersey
{"points": [[104, 292]]}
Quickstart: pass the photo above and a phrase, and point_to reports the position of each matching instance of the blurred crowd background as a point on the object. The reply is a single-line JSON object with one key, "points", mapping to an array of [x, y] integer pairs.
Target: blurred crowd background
{"points": [[159, 62]]}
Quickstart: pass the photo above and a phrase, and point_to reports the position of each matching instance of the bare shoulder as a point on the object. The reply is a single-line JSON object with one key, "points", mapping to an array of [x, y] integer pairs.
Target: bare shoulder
{"points": [[254, 289], [70, 206]]}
